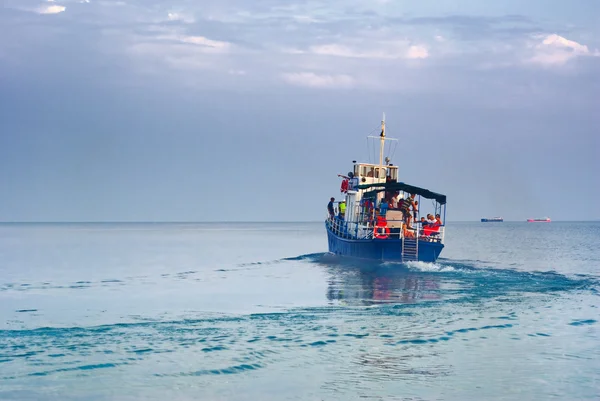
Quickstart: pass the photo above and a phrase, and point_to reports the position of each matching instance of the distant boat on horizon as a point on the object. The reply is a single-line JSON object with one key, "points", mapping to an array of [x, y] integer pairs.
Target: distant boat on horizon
{"points": [[544, 220], [492, 219]]}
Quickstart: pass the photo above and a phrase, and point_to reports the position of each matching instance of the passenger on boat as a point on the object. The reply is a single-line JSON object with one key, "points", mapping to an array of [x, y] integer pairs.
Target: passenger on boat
{"points": [[400, 197], [431, 231], [342, 208], [367, 210], [345, 183], [394, 201], [353, 182], [350, 182], [388, 194], [330, 208], [415, 210], [383, 207], [430, 219], [405, 207], [424, 223]]}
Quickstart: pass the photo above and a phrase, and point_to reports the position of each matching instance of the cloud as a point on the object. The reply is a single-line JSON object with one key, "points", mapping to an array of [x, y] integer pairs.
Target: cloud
{"points": [[417, 52], [309, 43], [345, 51], [472, 27], [180, 17], [313, 80], [54, 9], [392, 49], [305, 19], [162, 49], [183, 53], [205, 42], [555, 50]]}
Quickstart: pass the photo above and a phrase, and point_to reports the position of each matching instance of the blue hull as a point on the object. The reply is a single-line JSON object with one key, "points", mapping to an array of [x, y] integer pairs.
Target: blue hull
{"points": [[380, 249]]}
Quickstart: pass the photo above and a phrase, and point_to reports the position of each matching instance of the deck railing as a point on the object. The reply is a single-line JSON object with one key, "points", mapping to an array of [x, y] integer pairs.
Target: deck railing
{"points": [[360, 225], [436, 236]]}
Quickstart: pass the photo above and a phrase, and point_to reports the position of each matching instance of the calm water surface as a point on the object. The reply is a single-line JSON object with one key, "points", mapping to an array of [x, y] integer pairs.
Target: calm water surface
{"points": [[261, 312]]}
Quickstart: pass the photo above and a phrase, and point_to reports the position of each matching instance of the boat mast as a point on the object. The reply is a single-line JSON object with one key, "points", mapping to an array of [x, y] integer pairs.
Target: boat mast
{"points": [[382, 135]]}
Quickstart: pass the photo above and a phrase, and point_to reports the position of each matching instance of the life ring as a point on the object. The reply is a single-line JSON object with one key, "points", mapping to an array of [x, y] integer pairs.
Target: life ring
{"points": [[381, 230]]}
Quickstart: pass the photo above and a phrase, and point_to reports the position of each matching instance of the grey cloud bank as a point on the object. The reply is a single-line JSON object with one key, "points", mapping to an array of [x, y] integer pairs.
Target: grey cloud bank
{"points": [[172, 111]]}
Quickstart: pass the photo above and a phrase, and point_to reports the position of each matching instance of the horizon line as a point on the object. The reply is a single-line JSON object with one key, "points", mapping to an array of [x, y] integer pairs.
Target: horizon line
{"points": [[238, 221]]}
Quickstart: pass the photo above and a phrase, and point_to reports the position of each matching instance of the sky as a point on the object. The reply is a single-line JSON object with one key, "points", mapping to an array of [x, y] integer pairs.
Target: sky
{"points": [[231, 110]]}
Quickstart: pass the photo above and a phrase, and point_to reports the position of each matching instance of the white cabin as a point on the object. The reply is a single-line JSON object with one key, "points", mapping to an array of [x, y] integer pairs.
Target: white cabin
{"points": [[374, 173], [366, 173]]}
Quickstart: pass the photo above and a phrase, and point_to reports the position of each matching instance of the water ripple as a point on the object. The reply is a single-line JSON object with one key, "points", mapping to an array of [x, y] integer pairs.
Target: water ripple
{"points": [[583, 322], [321, 327]]}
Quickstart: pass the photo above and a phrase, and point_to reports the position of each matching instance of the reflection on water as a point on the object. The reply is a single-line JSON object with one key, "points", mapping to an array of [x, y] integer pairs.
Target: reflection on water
{"points": [[368, 283], [356, 283]]}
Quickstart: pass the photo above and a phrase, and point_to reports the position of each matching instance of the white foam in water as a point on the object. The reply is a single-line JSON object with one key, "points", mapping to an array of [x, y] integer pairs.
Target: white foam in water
{"points": [[429, 267]]}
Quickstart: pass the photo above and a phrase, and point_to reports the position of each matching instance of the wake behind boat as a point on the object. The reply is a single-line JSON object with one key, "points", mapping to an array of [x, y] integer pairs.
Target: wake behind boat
{"points": [[378, 218]]}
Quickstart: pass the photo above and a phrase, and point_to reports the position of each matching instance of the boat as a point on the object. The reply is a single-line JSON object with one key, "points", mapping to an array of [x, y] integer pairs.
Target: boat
{"points": [[365, 228], [544, 220], [492, 219]]}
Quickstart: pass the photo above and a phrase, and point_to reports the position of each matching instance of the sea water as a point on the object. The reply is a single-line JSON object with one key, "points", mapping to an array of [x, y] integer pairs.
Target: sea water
{"points": [[261, 312]]}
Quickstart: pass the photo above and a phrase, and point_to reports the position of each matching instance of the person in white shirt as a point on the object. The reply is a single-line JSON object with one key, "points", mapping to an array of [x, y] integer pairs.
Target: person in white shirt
{"points": [[394, 201]]}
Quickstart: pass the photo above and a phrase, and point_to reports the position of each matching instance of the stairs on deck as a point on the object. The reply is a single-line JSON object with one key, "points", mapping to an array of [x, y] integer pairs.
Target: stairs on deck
{"points": [[410, 250]]}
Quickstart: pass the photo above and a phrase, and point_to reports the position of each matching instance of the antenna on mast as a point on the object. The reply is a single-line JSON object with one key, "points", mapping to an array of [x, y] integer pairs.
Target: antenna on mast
{"points": [[382, 139]]}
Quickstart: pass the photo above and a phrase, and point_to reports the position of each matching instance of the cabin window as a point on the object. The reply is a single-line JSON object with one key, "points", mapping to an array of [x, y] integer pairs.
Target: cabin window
{"points": [[356, 170], [394, 174], [370, 171]]}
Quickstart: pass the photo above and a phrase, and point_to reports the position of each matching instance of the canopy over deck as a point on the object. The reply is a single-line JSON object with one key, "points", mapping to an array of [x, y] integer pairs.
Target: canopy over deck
{"points": [[400, 186]]}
